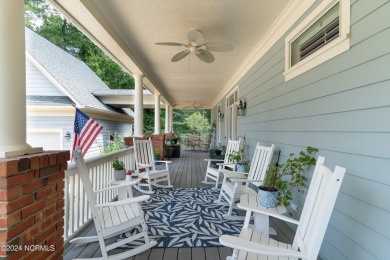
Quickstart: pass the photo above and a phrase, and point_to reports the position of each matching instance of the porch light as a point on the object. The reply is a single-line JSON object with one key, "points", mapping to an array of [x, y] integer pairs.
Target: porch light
{"points": [[241, 107], [220, 117], [67, 136]]}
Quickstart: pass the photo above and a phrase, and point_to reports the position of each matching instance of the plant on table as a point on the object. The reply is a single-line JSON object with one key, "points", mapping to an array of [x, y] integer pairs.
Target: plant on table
{"points": [[238, 158], [290, 174], [118, 165]]}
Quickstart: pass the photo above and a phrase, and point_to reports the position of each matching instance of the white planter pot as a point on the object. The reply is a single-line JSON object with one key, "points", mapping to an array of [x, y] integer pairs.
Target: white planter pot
{"points": [[119, 175]]}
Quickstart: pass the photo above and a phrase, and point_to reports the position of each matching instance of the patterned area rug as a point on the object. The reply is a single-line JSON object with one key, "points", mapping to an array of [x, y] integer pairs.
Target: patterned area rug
{"points": [[187, 218]]}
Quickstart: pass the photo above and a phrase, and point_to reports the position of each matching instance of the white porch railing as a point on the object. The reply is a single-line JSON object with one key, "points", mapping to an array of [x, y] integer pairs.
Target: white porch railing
{"points": [[77, 213]]}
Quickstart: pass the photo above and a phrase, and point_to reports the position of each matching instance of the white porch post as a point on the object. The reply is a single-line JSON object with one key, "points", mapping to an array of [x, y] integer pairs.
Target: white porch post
{"points": [[170, 119], [138, 106], [166, 118], [157, 127], [13, 81]]}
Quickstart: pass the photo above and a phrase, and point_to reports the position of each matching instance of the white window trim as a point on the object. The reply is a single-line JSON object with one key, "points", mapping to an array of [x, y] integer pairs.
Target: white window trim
{"points": [[327, 52]]}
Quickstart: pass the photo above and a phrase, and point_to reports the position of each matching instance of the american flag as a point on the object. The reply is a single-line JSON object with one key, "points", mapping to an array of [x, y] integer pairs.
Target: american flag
{"points": [[85, 131]]}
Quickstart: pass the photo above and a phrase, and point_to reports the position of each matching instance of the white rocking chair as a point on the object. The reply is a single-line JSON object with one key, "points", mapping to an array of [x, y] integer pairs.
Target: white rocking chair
{"points": [[113, 218], [235, 184], [215, 173], [144, 159], [316, 213]]}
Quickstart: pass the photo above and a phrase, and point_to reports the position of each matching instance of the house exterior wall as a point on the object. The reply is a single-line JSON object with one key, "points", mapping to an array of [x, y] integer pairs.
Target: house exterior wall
{"points": [[49, 123], [38, 84], [341, 107]]}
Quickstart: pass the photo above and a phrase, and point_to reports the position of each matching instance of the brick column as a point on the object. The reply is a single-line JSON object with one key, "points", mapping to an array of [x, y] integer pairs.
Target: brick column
{"points": [[32, 205]]}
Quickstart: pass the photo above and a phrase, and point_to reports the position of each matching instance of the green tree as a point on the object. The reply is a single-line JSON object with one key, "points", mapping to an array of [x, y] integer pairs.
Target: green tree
{"points": [[198, 123], [47, 22]]}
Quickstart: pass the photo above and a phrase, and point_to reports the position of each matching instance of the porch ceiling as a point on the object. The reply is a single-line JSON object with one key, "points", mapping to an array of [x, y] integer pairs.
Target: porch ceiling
{"points": [[129, 29]]}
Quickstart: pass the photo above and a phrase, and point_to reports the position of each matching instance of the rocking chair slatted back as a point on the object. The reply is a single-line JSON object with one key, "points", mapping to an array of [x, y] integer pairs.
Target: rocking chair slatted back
{"points": [[318, 207], [260, 162], [143, 152], [231, 146]]}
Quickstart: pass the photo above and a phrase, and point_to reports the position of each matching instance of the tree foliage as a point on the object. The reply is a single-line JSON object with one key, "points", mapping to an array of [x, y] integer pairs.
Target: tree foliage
{"points": [[47, 22]]}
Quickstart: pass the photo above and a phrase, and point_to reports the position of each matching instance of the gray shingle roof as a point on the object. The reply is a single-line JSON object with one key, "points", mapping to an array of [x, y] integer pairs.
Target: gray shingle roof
{"points": [[74, 75], [49, 100]]}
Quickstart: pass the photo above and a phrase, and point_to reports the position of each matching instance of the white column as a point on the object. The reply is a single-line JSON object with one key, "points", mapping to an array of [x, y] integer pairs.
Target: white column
{"points": [[166, 118], [13, 81], [170, 119], [138, 106], [157, 127]]}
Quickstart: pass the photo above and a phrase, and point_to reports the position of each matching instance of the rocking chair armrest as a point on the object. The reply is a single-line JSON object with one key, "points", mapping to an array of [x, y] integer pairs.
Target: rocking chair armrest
{"points": [[125, 201], [233, 174], [214, 160], [144, 165], [252, 247], [163, 161], [242, 180], [270, 213]]}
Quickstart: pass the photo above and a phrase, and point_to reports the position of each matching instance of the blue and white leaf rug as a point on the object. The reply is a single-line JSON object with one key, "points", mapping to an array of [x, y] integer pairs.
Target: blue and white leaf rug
{"points": [[187, 217]]}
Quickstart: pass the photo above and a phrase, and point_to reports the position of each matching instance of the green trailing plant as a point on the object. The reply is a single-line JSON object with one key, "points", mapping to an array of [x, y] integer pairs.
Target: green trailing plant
{"points": [[118, 165], [237, 157], [167, 146], [155, 153], [290, 175]]}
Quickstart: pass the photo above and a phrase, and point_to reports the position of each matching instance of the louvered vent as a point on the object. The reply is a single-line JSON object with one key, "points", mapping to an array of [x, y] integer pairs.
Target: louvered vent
{"points": [[319, 34], [319, 40]]}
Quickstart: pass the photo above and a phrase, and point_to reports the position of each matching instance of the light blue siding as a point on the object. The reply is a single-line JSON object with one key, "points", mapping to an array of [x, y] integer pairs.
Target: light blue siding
{"points": [[341, 107], [37, 84]]}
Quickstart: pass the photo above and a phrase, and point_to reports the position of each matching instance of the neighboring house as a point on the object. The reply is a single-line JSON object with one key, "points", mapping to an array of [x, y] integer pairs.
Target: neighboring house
{"points": [[56, 83]]}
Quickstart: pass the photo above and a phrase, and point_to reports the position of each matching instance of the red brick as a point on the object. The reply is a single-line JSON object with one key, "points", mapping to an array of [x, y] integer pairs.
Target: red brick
{"points": [[29, 234], [16, 180], [32, 209], [64, 166], [8, 234], [42, 194], [47, 171], [49, 210], [8, 167], [60, 176], [60, 205], [44, 160], [55, 198], [10, 194], [10, 220], [34, 162], [60, 186], [32, 186], [52, 159], [9, 207], [42, 236]]}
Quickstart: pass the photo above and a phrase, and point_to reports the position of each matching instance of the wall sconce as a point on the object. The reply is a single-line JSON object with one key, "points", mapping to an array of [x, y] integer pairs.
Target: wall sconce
{"points": [[220, 117], [67, 136], [241, 107]]}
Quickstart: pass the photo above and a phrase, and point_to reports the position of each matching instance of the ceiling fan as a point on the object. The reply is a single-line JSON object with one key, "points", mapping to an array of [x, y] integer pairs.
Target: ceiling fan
{"points": [[196, 44]]}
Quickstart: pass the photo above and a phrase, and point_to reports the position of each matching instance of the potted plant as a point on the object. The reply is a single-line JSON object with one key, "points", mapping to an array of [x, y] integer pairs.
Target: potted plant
{"points": [[168, 150], [238, 158], [174, 138], [119, 170], [279, 180]]}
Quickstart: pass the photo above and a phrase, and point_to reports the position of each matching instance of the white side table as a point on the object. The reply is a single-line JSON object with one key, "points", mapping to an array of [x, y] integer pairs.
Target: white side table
{"points": [[125, 187], [249, 202]]}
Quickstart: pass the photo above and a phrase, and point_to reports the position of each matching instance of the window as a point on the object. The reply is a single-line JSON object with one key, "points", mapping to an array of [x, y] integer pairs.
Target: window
{"points": [[320, 37], [231, 115]]}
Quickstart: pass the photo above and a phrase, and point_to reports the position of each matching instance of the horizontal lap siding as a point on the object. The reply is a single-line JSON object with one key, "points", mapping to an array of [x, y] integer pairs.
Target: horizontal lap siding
{"points": [[342, 107]]}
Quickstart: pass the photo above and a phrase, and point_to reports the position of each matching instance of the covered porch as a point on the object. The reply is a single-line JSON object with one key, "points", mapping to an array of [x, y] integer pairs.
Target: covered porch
{"points": [[188, 171]]}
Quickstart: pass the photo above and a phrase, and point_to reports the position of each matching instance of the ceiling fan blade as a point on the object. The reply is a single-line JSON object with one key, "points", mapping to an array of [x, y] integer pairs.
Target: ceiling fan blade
{"points": [[195, 36], [218, 46], [180, 55], [170, 43], [205, 56]]}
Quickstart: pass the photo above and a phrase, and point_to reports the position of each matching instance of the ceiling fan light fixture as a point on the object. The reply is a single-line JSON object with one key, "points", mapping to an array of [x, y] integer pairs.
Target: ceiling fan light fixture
{"points": [[196, 45]]}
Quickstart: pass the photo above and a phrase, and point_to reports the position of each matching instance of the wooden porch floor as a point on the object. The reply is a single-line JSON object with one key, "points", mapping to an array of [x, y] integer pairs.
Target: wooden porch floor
{"points": [[186, 172]]}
